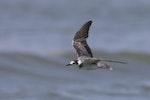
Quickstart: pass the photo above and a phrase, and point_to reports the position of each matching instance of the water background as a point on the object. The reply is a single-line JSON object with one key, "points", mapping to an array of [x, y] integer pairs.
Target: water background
{"points": [[35, 45]]}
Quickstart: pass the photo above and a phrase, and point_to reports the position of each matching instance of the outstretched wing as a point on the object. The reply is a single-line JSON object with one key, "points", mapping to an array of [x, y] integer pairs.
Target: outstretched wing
{"points": [[79, 41]]}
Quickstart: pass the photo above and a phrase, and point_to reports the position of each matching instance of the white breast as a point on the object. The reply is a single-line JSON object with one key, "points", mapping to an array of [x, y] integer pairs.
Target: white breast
{"points": [[79, 62]]}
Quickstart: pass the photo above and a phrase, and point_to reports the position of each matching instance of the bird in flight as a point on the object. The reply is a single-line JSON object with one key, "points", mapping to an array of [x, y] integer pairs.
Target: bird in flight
{"points": [[85, 59]]}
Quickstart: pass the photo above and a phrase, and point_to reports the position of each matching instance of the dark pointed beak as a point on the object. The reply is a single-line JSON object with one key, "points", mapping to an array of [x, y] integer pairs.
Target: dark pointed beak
{"points": [[68, 64]]}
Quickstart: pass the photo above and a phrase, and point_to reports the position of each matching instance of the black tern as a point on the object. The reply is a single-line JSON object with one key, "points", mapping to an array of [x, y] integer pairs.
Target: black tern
{"points": [[85, 59]]}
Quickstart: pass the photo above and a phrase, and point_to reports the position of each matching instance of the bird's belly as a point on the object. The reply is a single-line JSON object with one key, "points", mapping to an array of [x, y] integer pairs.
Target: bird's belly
{"points": [[86, 67], [89, 67]]}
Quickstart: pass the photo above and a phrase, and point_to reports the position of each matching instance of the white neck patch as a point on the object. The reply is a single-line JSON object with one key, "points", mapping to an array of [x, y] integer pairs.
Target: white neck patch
{"points": [[79, 62]]}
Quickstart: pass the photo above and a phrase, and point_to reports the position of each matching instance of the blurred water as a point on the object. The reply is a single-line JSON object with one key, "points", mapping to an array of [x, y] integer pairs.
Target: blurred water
{"points": [[31, 77], [34, 26], [35, 44]]}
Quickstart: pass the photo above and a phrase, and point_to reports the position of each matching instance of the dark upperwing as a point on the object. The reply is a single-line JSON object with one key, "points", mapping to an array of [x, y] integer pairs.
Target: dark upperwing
{"points": [[79, 41]]}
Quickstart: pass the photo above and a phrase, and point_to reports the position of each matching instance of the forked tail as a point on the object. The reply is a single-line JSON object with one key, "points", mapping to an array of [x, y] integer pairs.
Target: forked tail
{"points": [[115, 61]]}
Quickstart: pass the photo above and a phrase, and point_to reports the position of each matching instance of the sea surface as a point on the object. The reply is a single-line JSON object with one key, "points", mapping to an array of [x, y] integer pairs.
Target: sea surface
{"points": [[35, 46]]}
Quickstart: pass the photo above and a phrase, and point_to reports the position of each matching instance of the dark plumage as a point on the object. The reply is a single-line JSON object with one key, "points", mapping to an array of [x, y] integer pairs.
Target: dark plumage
{"points": [[79, 41], [85, 58]]}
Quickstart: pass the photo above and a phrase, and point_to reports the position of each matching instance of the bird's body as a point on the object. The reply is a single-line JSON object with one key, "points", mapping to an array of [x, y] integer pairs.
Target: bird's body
{"points": [[85, 59], [87, 62]]}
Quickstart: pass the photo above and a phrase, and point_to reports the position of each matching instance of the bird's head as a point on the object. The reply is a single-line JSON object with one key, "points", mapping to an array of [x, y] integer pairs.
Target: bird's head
{"points": [[72, 62]]}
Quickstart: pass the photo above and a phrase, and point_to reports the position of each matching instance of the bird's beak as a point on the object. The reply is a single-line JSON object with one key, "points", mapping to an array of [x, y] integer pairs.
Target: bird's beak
{"points": [[68, 64]]}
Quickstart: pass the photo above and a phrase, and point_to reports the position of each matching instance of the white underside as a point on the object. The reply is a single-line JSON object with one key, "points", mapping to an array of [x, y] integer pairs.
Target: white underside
{"points": [[87, 67]]}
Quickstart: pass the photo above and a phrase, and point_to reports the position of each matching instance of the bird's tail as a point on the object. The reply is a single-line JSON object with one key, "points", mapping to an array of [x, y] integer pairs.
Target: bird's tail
{"points": [[114, 61]]}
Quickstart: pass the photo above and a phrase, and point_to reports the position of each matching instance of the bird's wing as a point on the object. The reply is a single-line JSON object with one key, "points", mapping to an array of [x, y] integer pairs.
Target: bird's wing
{"points": [[79, 41]]}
